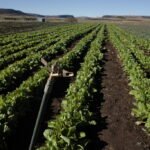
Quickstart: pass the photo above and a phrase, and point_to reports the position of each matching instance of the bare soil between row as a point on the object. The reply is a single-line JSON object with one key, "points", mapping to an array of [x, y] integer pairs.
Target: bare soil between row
{"points": [[120, 132]]}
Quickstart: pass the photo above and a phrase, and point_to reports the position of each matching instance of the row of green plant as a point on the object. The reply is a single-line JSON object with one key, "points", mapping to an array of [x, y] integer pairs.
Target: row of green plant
{"points": [[71, 60], [16, 42], [131, 41], [67, 131], [20, 53], [143, 44], [14, 49], [137, 78], [30, 42], [18, 103], [139, 30], [11, 76], [21, 38], [7, 60], [10, 40]]}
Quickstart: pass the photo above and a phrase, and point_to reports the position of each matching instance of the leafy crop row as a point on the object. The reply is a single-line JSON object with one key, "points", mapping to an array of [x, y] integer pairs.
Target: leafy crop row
{"points": [[17, 39], [26, 42], [17, 103], [138, 81], [132, 43], [10, 76], [64, 132]]}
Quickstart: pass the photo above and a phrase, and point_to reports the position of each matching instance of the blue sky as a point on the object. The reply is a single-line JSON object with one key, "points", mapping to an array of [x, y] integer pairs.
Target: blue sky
{"points": [[92, 8]]}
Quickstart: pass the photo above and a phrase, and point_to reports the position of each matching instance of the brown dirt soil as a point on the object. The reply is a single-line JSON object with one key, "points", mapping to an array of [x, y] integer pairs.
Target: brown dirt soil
{"points": [[120, 132]]}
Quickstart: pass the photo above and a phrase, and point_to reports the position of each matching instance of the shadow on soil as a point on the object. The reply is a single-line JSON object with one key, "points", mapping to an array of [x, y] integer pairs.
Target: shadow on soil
{"points": [[92, 131]]}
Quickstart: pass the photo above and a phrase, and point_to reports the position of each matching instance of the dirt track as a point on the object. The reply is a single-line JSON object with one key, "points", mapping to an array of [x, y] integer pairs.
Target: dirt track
{"points": [[120, 132]]}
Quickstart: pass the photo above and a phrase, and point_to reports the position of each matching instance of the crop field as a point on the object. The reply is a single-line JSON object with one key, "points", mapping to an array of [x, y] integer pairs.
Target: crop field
{"points": [[141, 30], [16, 27], [105, 104]]}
